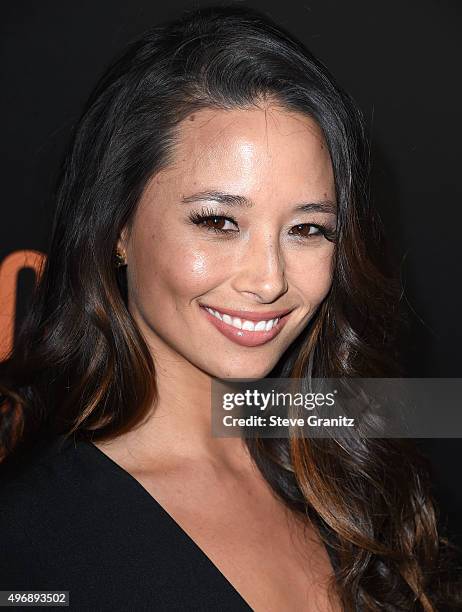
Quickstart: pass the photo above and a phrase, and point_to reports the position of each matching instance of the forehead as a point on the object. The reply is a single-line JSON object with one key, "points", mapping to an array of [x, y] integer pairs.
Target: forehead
{"points": [[256, 140], [210, 126]]}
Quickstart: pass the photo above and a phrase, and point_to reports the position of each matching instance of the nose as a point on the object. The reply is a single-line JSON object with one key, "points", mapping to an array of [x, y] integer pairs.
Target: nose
{"points": [[261, 269]]}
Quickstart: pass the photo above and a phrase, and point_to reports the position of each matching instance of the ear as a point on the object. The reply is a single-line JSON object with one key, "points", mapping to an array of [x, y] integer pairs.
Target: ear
{"points": [[122, 242]]}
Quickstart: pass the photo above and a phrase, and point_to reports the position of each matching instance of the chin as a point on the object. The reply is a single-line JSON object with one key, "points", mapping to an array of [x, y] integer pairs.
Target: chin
{"points": [[242, 371]]}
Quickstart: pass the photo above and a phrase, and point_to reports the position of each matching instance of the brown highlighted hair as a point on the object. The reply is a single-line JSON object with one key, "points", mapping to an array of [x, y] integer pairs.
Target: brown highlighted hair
{"points": [[80, 365]]}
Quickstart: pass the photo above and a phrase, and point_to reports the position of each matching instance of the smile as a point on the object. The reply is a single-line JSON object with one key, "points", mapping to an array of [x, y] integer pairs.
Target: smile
{"points": [[253, 331], [263, 325]]}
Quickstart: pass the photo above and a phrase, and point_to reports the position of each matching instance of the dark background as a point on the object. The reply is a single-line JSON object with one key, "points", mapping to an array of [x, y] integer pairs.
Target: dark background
{"points": [[399, 60]]}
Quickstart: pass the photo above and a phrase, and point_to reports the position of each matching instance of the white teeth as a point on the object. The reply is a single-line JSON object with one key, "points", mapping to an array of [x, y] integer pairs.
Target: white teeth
{"points": [[244, 323]]}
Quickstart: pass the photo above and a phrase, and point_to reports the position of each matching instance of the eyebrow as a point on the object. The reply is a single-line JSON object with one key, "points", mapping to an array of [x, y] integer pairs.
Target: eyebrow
{"points": [[229, 199]]}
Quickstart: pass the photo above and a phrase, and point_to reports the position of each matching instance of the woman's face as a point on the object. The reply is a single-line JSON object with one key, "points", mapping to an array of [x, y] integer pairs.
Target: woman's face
{"points": [[234, 224]]}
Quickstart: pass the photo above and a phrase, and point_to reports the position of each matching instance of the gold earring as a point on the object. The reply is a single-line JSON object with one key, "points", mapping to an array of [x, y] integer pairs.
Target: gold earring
{"points": [[120, 259]]}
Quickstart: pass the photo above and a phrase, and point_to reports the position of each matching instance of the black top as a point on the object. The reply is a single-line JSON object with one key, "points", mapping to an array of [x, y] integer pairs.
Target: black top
{"points": [[72, 519]]}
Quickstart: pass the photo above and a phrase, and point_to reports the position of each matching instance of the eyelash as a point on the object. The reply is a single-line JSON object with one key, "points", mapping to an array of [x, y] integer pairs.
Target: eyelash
{"points": [[197, 218]]}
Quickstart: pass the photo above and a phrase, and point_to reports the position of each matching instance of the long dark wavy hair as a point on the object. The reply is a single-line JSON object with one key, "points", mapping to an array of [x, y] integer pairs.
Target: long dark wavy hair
{"points": [[81, 367]]}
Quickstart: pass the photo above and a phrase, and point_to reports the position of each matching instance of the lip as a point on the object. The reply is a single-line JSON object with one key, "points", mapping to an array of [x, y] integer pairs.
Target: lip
{"points": [[245, 337], [251, 315]]}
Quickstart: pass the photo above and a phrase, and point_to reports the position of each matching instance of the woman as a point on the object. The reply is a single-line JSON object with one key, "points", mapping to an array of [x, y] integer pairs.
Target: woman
{"points": [[212, 221]]}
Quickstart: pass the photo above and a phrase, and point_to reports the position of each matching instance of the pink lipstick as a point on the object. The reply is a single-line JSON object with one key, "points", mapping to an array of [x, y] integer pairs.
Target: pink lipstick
{"points": [[229, 321]]}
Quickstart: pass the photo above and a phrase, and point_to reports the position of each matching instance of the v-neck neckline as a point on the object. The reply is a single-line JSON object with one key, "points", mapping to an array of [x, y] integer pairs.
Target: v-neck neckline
{"points": [[150, 498]]}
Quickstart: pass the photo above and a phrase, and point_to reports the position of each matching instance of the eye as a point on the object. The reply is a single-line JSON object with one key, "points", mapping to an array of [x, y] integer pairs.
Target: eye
{"points": [[215, 223], [222, 224], [307, 230]]}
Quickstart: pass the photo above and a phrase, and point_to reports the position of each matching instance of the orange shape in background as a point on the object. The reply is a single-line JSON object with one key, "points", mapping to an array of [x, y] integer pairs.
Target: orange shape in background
{"points": [[9, 273]]}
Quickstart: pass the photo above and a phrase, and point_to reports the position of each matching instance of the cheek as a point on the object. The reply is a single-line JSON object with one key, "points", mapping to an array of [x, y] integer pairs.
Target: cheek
{"points": [[312, 275], [171, 270]]}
